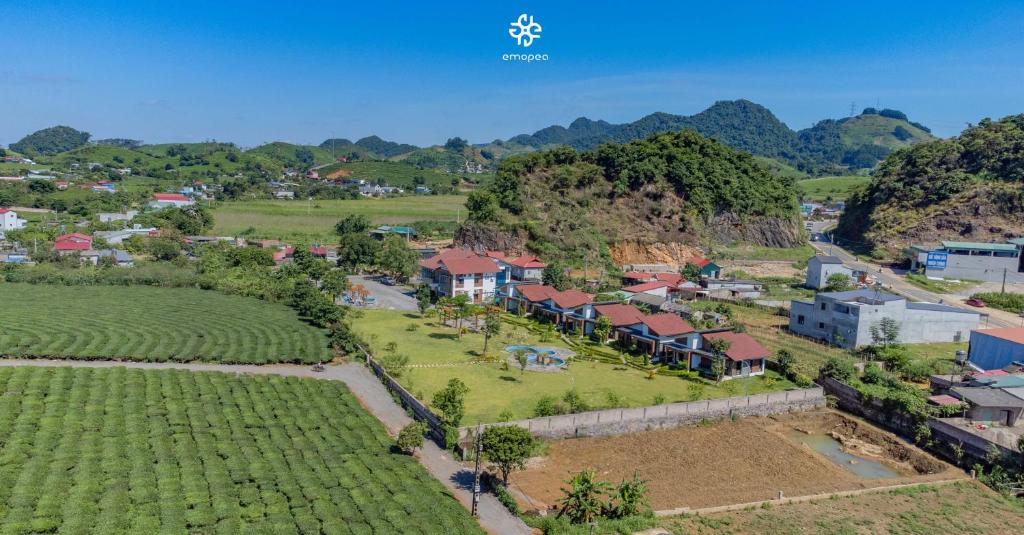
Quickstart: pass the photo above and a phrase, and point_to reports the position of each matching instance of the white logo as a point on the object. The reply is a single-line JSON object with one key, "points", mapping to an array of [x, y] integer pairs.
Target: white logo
{"points": [[525, 30]]}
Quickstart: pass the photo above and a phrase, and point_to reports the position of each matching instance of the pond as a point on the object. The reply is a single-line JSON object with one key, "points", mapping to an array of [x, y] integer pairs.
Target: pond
{"points": [[539, 357], [832, 449]]}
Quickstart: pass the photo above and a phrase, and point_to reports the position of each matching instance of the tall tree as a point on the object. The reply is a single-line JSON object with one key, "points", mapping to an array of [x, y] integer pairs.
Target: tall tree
{"points": [[492, 325], [396, 258], [718, 348], [451, 402], [507, 447]]}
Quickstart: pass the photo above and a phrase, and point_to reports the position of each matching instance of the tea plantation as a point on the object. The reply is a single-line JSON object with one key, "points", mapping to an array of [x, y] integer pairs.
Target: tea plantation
{"points": [[154, 324], [115, 450]]}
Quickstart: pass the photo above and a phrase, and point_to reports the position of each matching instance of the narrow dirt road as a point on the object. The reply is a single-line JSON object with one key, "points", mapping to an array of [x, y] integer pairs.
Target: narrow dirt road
{"points": [[371, 393]]}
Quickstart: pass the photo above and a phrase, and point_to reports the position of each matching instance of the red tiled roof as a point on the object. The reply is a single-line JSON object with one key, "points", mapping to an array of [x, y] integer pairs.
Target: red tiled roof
{"points": [[497, 255], [741, 345], [434, 262], [671, 278], [667, 324], [4, 210], [701, 262], [646, 286], [944, 399], [170, 197], [536, 292], [571, 298], [318, 251], [620, 314], [636, 275], [72, 242], [528, 262], [466, 266], [1013, 334]]}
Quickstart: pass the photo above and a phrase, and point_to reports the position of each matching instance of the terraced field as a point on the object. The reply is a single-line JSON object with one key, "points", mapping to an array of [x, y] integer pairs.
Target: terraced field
{"points": [[153, 324], [166, 451]]}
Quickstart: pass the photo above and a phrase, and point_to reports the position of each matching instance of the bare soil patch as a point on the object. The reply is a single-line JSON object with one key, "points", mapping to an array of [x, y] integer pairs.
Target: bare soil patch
{"points": [[729, 462]]}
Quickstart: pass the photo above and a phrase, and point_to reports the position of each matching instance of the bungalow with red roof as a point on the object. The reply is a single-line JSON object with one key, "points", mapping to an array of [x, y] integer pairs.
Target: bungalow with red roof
{"points": [[745, 357], [620, 315], [656, 333], [74, 242], [658, 288], [459, 271], [164, 200], [527, 268], [319, 251], [525, 298]]}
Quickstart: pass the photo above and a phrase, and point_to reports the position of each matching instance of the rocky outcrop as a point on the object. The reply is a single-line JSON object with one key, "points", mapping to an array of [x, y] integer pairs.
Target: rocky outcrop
{"points": [[767, 231], [489, 237], [634, 252]]}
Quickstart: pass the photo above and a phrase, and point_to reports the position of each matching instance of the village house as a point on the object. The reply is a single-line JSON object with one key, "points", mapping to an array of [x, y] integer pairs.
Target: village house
{"points": [[174, 200], [732, 288], [9, 221], [459, 271], [384, 231], [845, 318], [72, 243], [656, 288], [109, 217], [117, 257], [116, 237], [708, 268], [526, 268], [820, 268]]}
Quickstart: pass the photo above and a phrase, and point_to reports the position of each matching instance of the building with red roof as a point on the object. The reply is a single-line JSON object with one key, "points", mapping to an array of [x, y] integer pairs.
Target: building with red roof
{"points": [[620, 315], [659, 288], [460, 271], [320, 251], [76, 241], [526, 268], [173, 200], [744, 356], [994, 349]]}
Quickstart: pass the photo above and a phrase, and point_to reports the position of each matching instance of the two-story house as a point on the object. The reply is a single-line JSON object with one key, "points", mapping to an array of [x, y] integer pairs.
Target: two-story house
{"points": [[846, 318], [9, 221], [458, 271]]}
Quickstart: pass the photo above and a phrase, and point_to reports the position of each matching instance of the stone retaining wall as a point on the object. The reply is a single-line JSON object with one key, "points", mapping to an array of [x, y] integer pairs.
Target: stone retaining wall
{"points": [[631, 420]]}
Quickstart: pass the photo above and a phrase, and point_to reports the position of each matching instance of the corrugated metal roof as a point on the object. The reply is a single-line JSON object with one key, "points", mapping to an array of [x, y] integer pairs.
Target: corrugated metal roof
{"points": [[979, 246]]}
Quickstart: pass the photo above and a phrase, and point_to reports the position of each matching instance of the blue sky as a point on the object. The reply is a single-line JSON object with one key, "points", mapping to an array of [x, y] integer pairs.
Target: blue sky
{"points": [[252, 72]]}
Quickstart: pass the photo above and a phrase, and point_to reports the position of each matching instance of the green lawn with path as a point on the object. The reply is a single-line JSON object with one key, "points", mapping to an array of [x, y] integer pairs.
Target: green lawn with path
{"points": [[284, 219], [437, 355]]}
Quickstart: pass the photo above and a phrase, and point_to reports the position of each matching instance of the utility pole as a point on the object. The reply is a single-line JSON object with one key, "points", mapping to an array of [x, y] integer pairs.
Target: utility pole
{"points": [[476, 472], [1003, 289]]}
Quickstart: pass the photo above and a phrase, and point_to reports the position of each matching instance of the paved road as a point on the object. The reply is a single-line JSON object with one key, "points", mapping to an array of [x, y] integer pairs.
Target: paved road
{"points": [[371, 393], [388, 297], [897, 283]]}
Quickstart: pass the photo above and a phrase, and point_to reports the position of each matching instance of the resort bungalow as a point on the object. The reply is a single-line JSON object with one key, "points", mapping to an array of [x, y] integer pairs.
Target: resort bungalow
{"points": [[620, 315], [527, 268], [655, 333], [745, 357]]}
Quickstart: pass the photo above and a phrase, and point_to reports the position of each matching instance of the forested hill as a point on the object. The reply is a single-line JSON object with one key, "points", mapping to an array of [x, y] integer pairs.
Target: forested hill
{"points": [[676, 188], [831, 146], [969, 187]]}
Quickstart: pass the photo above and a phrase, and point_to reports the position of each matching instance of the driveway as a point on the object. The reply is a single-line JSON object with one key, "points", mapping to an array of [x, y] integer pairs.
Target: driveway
{"points": [[371, 393], [388, 297]]}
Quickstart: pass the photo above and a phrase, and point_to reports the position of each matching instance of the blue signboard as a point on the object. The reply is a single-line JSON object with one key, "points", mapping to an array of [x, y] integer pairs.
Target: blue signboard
{"points": [[936, 260]]}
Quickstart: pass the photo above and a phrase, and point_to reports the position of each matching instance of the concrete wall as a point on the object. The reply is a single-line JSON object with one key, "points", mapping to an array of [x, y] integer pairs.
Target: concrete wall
{"points": [[849, 400], [975, 447], [407, 400], [632, 420]]}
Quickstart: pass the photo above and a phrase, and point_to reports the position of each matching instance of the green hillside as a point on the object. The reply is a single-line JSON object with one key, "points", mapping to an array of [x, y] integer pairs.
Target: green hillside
{"points": [[967, 188], [298, 156], [402, 174], [835, 188]]}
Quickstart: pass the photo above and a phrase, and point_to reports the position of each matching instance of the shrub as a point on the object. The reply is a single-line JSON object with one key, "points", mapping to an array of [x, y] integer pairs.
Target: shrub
{"points": [[548, 406], [410, 438], [838, 368]]}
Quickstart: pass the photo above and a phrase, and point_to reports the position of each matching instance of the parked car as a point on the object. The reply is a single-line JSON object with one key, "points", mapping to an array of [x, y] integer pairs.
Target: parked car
{"points": [[975, 302]]}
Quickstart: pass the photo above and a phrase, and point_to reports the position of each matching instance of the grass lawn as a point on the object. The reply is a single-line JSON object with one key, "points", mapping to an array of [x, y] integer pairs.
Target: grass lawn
{"points": [[939, 286], [167, 451], [965, 507], [283, 219], [153, 324], [836, 187], [493, 389], [758, 252]]}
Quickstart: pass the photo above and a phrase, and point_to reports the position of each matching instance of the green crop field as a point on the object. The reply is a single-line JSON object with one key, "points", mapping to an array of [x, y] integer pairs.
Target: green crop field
{"points": [[837, 188], [115, 450], [399, 174], [316, 219], [154, 324]]}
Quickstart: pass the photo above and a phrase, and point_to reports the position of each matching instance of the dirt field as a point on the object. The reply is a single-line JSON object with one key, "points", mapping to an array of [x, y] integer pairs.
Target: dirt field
{"points": [[966, 507], [730, 462]]}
